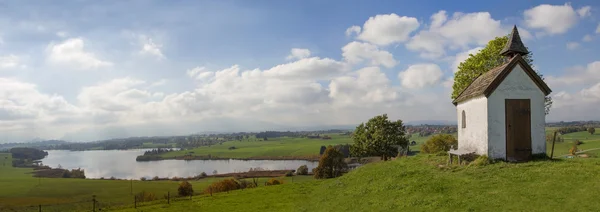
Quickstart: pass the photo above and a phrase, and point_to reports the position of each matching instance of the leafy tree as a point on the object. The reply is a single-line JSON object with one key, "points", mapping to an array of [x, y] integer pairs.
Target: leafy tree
{"points": [[486, 59], [185, 189], [378, 136], [302, 170], [439, 143], [331, 164], [591, 130]]}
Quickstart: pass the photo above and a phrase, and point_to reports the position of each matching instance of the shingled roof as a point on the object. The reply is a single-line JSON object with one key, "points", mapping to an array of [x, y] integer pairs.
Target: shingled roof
{"points": [[486, 83]]}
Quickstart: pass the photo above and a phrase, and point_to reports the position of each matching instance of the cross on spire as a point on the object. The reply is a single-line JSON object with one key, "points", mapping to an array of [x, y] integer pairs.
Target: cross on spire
{"points": [[514, 45]]}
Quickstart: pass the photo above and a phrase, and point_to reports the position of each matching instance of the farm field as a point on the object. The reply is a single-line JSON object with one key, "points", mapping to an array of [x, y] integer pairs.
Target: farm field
{"points": [[562, 148], [418, 183], [20, 189]]}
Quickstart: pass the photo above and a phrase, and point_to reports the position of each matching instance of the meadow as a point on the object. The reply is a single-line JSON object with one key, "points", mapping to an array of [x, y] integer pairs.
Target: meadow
{"points": [[424, 183], [19, 189], [562, 148]]}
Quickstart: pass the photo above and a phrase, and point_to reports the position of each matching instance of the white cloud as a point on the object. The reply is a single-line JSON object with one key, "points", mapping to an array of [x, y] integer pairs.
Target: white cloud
{"points": [[598, 29], [313, 68], [587, 38], [584, 11], [356, 52], [366, 86], [572, 45], [387, 29], [149, 47], [460, 31], [199, 73], [297, 53], [10, 62], [71, 53], [576, 76], [462, 56], [115, 95], [553, 19], [353, 30], [420, 75]]}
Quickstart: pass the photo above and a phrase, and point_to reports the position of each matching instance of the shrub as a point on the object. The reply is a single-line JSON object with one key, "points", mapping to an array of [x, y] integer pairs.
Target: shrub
{"points": [[289, 173], [591, 130], [203, 174], [577, 142], [302, 170], [145, 196], [155, 178], [113, 178], [439, 143], [573, 150], [246, 184], [185, 189], [274, 181], [331, 164], [223, 185], [143, 178], [480, 161]]}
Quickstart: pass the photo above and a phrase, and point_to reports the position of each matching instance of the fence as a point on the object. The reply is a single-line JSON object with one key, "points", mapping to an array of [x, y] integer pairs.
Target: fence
{"points": [[96, 205]]}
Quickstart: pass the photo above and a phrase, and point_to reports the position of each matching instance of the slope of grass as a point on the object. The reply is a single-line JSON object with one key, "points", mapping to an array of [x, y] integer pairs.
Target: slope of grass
{"points": [[19, 189], [562, 148], [418, 183]]}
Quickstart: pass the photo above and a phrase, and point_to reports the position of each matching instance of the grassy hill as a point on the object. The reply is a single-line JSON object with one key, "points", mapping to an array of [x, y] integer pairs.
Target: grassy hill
{"points": [[419, 183], [562, 148]]}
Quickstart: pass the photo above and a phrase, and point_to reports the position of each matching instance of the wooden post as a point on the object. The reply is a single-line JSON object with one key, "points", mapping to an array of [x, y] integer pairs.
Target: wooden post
{"points": [[134, 202], [94, 203], [40, 208], [553, 141], [168, 197]]}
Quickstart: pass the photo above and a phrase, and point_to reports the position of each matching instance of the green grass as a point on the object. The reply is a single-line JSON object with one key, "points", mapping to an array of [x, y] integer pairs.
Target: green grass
{"points": [[19, 189], [562, 148], [416, 183], [275, 147]]}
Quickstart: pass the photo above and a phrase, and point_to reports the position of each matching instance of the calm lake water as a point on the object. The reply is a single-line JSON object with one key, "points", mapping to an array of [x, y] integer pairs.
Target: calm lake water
{"points": [[121, 164]]}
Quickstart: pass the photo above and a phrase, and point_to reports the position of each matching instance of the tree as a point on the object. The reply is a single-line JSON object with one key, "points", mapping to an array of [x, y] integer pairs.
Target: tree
{"points": [[302, 170], [331, 164], [486, 59], [185, 189], [378, 137], [591, 130], [439, 143]]}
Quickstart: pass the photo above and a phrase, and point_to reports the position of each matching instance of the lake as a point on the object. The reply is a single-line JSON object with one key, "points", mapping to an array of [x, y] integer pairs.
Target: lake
{"points": [[122, 164]]}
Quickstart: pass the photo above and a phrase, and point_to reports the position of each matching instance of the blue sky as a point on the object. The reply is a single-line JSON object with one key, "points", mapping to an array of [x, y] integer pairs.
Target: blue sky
{"points": [[86, 70]]}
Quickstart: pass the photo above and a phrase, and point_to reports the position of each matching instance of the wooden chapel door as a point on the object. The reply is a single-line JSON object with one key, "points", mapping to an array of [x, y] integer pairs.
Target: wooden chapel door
{"points": [[518, 129]]}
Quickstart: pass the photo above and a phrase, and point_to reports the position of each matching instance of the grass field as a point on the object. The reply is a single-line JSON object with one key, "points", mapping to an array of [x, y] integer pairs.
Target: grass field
{"points": [[418, 184], [18, 188], [562, 148], [275, 147]]}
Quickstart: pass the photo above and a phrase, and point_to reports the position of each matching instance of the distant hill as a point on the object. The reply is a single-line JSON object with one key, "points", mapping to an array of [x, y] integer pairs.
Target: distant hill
{"points": [[431, 122]]}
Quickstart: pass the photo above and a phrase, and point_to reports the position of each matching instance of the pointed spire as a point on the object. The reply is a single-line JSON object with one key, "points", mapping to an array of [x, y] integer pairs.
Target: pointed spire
{"points": [[514, 45]]}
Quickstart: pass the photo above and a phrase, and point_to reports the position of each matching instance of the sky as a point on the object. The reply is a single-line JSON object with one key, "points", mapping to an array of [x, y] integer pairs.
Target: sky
{"points": [[87, 70]]}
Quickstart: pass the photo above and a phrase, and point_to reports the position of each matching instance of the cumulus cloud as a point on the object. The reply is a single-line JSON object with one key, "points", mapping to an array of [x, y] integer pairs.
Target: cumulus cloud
{"points": [[579, 75], [71, 53], [297, 53], [199, 73], [598, 29], [356, 52], [386, 29], [459, 31], [420, 75], [367, 86], [353, 30], [149, 47], [584, 11], [313, 68], [587, 38], [554, 19]]}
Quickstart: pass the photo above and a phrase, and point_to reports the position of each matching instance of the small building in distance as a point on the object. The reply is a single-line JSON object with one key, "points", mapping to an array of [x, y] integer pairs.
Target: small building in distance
{"points": [[502, 112]]}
